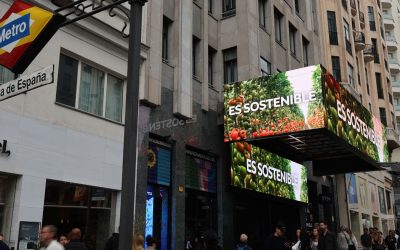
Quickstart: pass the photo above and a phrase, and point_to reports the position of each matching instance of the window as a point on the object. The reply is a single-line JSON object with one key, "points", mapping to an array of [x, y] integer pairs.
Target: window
{"points": [[347, 36], [333, 38], [306, 44], [375, 50], [381, 26], [371, 17], [229, 8], [370, 107], [382, 114], [292, 39], [350, 70], [393, 119], [358, 72], [210, 6], [297, 6], [262, 5], [92, 90], [230, 65], [5, 75], [379, 87], [278, 26], [195, 56], [211, 59], [165, 37], [336, 68], [265, 67]]}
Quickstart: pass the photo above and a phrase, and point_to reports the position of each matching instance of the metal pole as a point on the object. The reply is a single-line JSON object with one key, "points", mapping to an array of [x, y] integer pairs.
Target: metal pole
{"points": [[129, 166]]}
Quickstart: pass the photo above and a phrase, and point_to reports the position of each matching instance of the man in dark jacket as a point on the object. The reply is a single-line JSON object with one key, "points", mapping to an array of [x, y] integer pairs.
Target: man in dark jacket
{"points": [[75, 240], [112, 242], [3, 246], [277, 240], [366, 240], [327, 239]]}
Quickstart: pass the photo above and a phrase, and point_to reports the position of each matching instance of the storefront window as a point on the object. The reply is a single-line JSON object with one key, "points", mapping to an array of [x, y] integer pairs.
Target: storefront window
{"points": [[366, 221], [69, 206]]}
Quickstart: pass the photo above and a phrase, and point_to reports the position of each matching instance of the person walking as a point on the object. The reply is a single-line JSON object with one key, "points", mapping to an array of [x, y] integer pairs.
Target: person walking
{"points": [[277, 240], [343, 239], [314, 239], [377, 242], [243, 243], [3, 245], [48, 238], [112, 242], [63, 239], [327, 239], [366, 239], [75, 240], [390, 241], [353, 244], [138, 242]]}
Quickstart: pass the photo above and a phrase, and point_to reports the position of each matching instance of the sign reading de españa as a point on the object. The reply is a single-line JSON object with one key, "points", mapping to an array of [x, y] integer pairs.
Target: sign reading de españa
{"points": [[24, 30], [298, 100], [26, 83], [259, 170]]}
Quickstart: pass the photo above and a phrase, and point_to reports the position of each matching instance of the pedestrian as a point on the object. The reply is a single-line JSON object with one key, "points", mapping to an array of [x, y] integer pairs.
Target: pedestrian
{"points": [[138, 242], [243, 243], [48, 238], [314, 239], [377, 241], [297, 242], [112, 242], [343, 239], [353, 244], [366, 239], [151, 243], [3, 245], [327, 239], [390, 241], [63, 239], [75, 240], [277, 240]]}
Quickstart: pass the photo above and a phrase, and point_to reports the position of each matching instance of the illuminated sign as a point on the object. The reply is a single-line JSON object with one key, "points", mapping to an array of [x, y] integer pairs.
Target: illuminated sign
{"points": [[24, 31], [262, 171], [300, 100]]}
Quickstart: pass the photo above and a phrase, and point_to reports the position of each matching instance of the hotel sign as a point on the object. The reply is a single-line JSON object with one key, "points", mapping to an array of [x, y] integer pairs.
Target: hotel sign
{"points": [[24, 31]]}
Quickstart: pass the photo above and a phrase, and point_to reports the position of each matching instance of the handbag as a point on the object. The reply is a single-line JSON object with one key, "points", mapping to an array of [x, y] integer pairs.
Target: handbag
{"points": [[296, 246]]}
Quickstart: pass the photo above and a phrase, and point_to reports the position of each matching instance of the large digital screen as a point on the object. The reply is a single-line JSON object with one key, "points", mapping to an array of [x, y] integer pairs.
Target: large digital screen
{"points": [[300, 100], [259, 170]]}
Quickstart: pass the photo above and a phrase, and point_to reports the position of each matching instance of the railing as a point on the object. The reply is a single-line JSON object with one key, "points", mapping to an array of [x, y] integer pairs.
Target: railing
{"points": [[359, 37]]}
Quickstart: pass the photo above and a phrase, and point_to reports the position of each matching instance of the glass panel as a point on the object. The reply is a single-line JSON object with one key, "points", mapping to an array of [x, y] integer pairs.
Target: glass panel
{"points": [[67, 79], [5, 75], [114, 98], [91, 90]]}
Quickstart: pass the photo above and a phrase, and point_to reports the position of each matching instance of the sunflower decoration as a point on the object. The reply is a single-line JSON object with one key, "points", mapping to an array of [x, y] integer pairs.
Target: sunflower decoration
{"points": [[152, 158]]}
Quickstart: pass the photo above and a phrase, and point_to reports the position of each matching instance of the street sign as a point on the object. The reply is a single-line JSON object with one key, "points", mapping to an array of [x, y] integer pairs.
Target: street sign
{"points": [[26, 83], [24, 30]]}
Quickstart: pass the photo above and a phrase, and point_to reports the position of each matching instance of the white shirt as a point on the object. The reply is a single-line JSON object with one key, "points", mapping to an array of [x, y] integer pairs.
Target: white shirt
{"points": [[54, 245]]}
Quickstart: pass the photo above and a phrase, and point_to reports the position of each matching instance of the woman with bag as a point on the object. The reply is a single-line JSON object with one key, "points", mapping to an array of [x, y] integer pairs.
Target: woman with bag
{"points": [[352, 242]]}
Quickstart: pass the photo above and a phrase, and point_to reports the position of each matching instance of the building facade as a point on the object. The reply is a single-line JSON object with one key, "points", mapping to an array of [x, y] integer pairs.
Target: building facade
{"points": [[66, 139]]}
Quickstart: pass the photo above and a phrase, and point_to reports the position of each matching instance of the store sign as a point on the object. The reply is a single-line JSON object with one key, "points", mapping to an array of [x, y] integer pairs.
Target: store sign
{"points": [[24, 31], [259, 170], [299, 100], [27, 83], [3, 148]]}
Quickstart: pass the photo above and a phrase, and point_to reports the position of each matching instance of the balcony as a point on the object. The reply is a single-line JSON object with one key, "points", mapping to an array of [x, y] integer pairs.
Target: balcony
{"points": [[391, 43], [353, 7], [369, 53], [359, 40], [388, 21], [392, 139], [394, 65], [362, 19], [396, 89], [386, 3]]}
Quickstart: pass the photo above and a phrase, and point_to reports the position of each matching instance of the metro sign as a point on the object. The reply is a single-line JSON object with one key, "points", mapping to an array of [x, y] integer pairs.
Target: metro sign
{"points": [[24, 31]]}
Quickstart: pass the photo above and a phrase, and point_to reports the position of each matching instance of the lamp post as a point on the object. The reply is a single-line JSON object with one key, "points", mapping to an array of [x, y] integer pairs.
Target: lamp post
{"points": [[129, 164]]}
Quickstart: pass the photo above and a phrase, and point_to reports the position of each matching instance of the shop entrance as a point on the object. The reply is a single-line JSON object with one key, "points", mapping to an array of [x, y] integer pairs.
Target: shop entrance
{"points": [[256, 215]]}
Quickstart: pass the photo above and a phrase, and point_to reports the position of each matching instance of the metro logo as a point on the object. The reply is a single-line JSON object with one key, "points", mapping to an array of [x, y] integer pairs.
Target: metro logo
{"points": [[14, 30], [24, 30]]}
